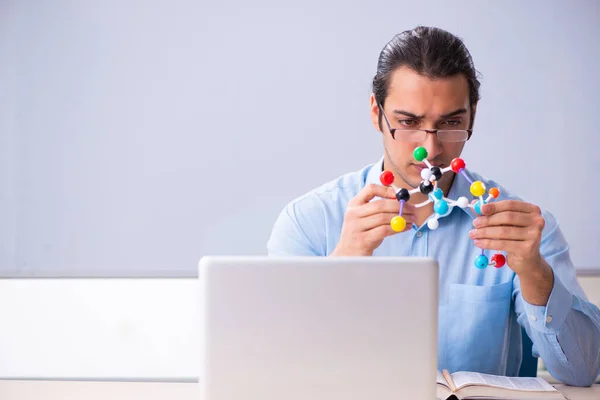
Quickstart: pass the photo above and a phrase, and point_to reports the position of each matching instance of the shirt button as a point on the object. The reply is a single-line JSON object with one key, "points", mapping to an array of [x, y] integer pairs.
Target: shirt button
{"points": [[533, 317], [549, 318], [419, 234]]}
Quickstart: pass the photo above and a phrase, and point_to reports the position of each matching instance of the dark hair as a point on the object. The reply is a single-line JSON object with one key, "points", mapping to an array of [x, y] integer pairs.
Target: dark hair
{"points": [[429, 51]]}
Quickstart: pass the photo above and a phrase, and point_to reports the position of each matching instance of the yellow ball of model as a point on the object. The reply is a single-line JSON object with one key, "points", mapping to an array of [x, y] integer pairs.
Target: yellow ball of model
{"points": [[398, 223], [477, 188]]}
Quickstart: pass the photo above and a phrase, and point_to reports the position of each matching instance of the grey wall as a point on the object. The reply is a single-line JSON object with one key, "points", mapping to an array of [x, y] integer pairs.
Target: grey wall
{"points": [[137, 136]]}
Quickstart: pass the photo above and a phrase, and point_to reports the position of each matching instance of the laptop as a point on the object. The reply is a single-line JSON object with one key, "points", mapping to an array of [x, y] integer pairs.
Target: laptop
{"points": [[318, 328]]}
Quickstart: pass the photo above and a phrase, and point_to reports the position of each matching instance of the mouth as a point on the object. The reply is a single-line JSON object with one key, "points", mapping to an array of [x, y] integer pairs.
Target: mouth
{"points": [[423, 166]]}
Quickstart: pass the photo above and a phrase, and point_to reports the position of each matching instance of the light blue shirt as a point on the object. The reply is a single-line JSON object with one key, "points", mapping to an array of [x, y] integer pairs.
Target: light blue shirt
{"points": [[480, 310]]}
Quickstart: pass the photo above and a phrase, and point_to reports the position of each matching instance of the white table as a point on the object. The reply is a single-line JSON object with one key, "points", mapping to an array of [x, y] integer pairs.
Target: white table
{"points": [[76, 390]]}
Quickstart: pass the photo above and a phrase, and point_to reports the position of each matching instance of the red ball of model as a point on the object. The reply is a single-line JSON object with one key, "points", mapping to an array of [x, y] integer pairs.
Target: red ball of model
{"points": [[498, 260], [386, 178], [457, 165]]}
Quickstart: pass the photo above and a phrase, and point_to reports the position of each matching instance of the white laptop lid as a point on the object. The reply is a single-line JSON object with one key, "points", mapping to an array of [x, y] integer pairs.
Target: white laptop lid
{"points": [[312, 328]]}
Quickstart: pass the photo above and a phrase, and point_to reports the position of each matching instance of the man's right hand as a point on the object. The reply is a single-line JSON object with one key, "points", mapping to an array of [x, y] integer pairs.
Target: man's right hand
{"points": [[367, 223]]}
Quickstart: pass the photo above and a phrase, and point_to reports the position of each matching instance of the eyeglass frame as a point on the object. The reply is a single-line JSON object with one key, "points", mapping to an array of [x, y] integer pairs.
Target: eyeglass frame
{"points": [[434, 131]]}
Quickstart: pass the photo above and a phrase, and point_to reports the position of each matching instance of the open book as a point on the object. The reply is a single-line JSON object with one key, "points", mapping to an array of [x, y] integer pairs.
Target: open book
{"points": [[473, 385]]}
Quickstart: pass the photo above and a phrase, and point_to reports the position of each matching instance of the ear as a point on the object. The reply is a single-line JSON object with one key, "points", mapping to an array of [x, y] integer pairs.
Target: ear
{"points": [[374, 113]]}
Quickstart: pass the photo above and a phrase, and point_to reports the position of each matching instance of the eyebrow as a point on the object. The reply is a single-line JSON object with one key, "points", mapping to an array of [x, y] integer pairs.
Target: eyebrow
{"points": [[453, 113], [450, 114], [402, 112]]}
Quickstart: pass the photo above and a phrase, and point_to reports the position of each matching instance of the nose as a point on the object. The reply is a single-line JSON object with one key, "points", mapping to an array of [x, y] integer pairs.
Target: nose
{"points": [[432, 144]]}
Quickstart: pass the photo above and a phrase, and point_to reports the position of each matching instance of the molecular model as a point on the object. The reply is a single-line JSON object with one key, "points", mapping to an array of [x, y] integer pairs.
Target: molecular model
{"points": [[442, 206]]}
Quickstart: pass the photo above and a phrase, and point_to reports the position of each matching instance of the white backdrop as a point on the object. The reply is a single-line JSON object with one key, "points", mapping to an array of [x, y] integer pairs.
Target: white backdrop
{"points": [[138, 136]]}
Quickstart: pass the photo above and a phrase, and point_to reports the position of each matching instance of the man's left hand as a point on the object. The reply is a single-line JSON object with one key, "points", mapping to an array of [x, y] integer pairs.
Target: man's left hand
{"points": [[514, 227]]}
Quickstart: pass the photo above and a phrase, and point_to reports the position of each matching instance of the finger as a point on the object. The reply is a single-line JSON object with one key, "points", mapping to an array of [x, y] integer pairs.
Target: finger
{"points": [[512, 218], [509, 246], [382, 219], [501, 233], [381, 232], [384, 206], [509, 205], [371, 191]]}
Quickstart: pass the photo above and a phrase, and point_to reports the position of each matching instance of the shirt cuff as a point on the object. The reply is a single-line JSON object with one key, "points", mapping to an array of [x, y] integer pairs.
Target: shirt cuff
{"points": [[551, 317]]}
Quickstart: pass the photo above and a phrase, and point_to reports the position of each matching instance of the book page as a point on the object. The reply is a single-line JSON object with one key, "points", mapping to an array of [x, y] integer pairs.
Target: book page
{"points": [[462, 379], [441, 380]]}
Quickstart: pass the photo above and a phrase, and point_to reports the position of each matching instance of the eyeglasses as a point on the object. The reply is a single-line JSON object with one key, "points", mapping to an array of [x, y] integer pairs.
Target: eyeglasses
{"points": [[419, 135]]}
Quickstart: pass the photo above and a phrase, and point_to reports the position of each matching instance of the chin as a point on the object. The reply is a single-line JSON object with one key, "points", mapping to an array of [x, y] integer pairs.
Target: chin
{"points": [[411, 177]]}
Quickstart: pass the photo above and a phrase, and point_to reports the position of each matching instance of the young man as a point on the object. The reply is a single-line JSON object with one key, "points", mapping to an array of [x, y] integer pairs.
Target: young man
{"points": [[425, 93]]}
